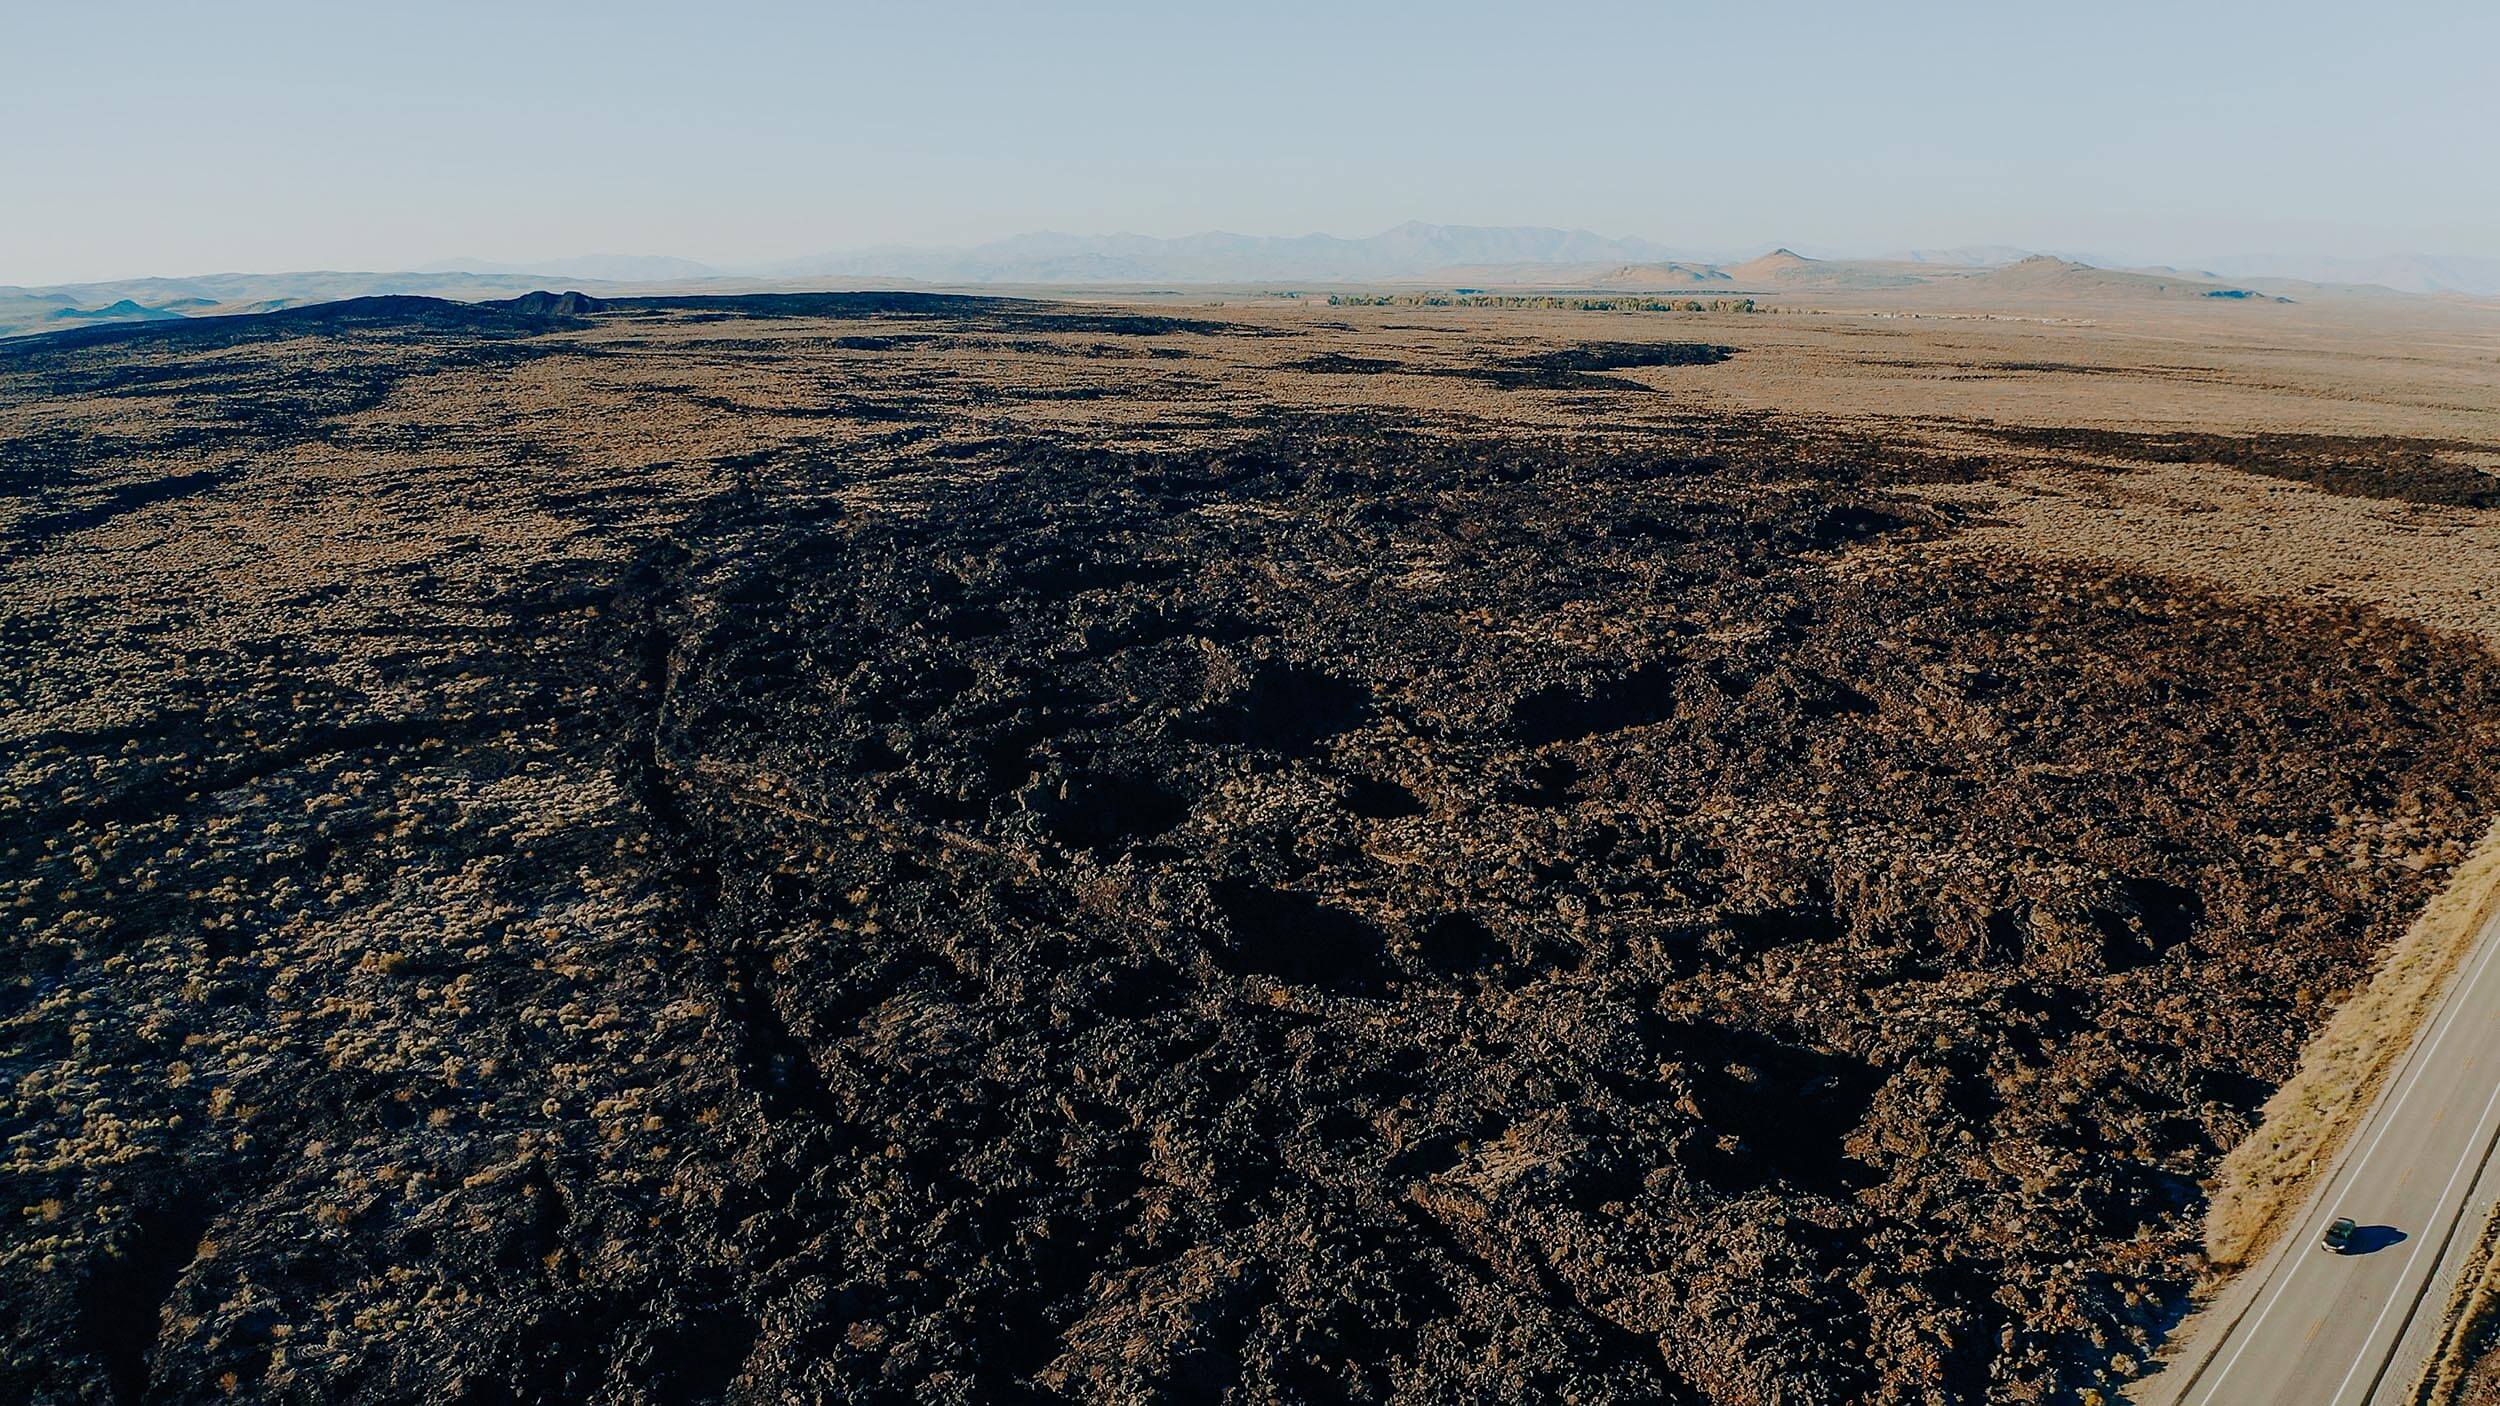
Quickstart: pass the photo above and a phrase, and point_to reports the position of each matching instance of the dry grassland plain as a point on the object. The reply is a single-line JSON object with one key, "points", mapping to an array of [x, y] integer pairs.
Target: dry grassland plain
{"points": [[894, 848]]}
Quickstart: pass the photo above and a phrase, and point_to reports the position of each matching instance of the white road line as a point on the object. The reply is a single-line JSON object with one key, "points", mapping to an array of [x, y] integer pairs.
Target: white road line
{"points": [[2405, 1273], [2457, 1003], [2439, 1033]]}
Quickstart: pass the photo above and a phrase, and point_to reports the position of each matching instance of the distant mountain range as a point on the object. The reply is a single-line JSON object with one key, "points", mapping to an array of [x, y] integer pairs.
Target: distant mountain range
{"points": [[1410, 250], [1439, 255], [1416, 250], [1966, 256], [2406, 273], [30, 310], [602, 268]]}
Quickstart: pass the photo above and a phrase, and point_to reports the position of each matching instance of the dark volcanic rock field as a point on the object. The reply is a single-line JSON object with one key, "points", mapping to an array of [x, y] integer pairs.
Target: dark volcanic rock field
{"points": [[1343, 908]]}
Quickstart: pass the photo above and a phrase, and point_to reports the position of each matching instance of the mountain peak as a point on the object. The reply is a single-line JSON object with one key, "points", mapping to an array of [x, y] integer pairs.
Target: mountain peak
{"points": [[1414, 248]]}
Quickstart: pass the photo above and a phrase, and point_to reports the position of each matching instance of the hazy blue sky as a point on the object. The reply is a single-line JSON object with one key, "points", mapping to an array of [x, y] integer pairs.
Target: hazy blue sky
{"points": [[185, 138]]}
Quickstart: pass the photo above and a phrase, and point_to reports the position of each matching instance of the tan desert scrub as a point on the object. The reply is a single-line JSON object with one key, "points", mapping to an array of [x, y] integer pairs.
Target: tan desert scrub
{"points": [[2463, 1370], [388, 659], [2263, 1180]]}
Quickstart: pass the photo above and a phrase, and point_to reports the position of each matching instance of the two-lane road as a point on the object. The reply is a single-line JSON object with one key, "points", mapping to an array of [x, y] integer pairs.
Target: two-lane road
{"points": [[2309, 1328]]}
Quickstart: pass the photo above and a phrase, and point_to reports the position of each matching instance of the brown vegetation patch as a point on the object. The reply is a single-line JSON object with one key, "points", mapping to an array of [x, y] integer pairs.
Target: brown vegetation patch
{"points": [[2356, 466], [673, 858], [1575, 368], [2266, 1175]]}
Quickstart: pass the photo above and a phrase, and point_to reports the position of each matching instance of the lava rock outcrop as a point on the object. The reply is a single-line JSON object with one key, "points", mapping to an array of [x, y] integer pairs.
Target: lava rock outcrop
{"points": [[1345, 909]]}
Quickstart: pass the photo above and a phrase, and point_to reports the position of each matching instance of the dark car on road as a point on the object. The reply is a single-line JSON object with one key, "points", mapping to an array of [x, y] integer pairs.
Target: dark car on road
{"points": [[2338, 1237]]}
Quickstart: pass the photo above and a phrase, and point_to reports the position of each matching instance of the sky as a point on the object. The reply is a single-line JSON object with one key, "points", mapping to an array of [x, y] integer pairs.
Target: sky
{"points": [[176, 138]]}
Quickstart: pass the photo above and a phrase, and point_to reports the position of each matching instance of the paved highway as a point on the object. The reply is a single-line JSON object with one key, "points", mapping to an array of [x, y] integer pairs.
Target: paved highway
{"points": [[2309, 1328]]}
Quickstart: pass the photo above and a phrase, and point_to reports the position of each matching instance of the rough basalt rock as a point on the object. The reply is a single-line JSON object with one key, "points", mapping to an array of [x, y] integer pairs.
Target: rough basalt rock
{"points": [[1348, 912]]}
